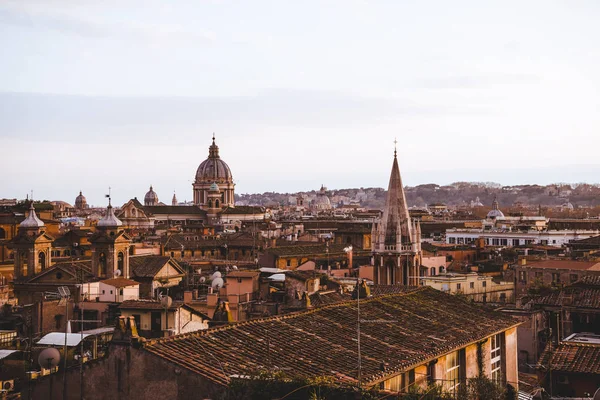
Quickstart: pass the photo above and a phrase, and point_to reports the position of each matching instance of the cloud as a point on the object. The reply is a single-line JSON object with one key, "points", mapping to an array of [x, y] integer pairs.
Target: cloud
{"points": [[23, 114], [474, 82], [83, 23]]}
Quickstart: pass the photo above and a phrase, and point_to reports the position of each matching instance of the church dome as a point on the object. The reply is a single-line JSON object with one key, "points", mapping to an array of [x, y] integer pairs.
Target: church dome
{"points": [[213, 169], [32, 220], [495, 211], [322, 201], [110, 220], [151, 198], [80, 201]]}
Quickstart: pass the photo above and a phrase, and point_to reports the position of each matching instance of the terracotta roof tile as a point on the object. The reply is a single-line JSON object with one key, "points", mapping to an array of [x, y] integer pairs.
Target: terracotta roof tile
{"points": [[402, 330], [120, 282], [571, 357]]}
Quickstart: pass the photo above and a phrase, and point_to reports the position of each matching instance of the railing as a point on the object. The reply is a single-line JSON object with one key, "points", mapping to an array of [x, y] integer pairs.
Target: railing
{"points": [[393, 247]]}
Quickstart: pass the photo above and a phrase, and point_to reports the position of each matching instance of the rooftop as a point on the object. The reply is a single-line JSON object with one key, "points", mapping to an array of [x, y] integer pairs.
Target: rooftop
{"points": [[565, 264], [412, 328]]}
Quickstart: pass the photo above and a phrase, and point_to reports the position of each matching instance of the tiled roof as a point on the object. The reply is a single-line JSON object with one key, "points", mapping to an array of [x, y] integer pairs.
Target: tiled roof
{"points": [[179, 210], [312, 249], [401, 330], [243, 210], [147, 305], [120, 282], [73, 268], [571, 357], [320, 299], [565, 264], [584, 293], [243, 274], [148, 266]]}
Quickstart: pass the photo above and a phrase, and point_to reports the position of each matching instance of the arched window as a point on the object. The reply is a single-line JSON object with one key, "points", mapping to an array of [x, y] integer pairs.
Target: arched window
{"points": [[23, 261], [102, 264], [441, 269], [120, 261], [42, 260], [217, 203], [210, 203]]}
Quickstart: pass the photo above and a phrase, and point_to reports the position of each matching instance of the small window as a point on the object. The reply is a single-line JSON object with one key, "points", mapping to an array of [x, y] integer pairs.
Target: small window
{"points": [[121, 291], [555, 277], [472, 285], [103, 291], [484, 283], [111, 292], [458, 286]]}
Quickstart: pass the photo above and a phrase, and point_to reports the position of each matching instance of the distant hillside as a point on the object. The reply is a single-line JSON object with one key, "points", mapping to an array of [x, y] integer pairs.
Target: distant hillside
{"points": [[459, 193]]}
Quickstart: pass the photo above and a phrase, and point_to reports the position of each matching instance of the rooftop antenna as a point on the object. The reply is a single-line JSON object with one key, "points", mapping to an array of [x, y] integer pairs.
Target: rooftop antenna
{"points": [[63, 294], [395, 146], [108, 195]]}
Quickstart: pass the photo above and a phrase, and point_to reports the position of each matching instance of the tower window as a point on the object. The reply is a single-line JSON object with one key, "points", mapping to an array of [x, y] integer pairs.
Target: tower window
{"points": [[42, 260], [102, 264]]}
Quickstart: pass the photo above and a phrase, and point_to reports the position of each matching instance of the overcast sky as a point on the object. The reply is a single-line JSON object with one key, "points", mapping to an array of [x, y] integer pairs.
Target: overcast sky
{"points": [[299, 93]]}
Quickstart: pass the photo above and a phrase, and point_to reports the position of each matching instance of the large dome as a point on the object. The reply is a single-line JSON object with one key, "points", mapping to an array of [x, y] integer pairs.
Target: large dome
{"points": [[151, 198], [213, 169], [80, 201]]}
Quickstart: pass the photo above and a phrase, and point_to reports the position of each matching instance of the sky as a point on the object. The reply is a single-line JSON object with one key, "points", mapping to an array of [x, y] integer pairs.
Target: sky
{"points": [[97, 94]]}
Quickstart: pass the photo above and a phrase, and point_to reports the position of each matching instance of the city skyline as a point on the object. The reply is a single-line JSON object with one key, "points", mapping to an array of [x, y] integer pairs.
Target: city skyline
{"points": [[472, 92]]}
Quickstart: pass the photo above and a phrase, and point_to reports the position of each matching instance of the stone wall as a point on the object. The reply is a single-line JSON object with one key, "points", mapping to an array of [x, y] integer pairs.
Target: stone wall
{"points": [[126, 373]]}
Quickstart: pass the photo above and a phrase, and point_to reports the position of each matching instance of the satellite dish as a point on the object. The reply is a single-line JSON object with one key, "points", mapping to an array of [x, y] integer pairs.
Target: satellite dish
{"points": [[117, 273], [49, 358], [216, 275], [234, 267], [166, 301], [217, 283], [202, 279]]}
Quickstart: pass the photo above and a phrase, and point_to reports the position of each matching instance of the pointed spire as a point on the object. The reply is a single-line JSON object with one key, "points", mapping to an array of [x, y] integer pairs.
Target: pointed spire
{"points": [[396, 224], [395, 147]]}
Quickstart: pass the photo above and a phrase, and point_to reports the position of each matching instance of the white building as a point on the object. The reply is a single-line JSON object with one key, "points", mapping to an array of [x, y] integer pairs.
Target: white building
{"points": [[509, 238], [480, 288], [115, 290]]}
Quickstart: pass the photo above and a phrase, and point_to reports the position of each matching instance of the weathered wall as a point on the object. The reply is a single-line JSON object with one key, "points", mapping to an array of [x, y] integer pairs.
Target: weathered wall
{"points": [[126, 373]]}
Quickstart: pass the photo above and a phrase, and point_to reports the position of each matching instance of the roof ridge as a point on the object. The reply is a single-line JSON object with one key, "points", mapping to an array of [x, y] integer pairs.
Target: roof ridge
{"points": [[290, 315]]}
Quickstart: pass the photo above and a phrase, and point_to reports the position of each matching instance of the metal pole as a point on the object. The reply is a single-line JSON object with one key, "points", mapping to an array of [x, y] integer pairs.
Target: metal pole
{"points": [[358, 328], [81, 351], [65, 349]]}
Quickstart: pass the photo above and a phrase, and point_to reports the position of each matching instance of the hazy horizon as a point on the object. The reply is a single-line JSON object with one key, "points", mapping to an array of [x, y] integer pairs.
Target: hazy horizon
{"points": [[105, 94]]}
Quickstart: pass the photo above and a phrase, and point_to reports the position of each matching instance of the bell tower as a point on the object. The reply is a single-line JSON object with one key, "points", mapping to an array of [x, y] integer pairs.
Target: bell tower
{"points": [[396, 240], [32, 246], [110, 247]]}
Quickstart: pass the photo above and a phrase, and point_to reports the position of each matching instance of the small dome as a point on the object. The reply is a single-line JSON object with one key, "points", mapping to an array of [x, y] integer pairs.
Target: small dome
{"points": [[213, 169], [322, 201], [568, 205], [32, 220], [495, 214], [151, 198], [214, 187], [80, 201], [495, 211], [110, 220]]}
